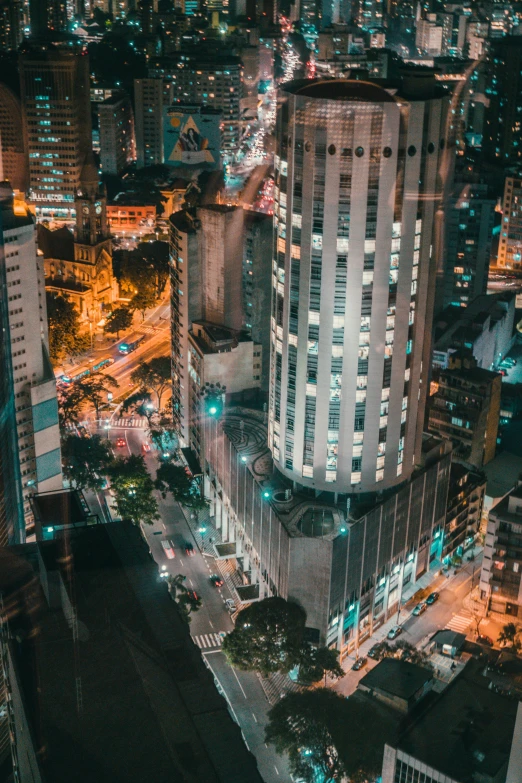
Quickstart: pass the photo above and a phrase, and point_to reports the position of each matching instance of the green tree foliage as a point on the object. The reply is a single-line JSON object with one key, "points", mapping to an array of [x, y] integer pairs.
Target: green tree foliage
{"points": [[328, 737], [267, 637], [509, 636], [405, 651], [85, 460], [316, 663], [133, 489], [94, 389], [154, 376], [176, 480], [186, 600], [70, 404], [141, 404], [118, 321], [145, 268], [65, 338], [143, 299]]}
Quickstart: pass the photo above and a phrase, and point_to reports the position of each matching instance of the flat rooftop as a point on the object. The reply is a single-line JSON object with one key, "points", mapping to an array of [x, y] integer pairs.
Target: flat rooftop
{"points": [[132, 701], [396, 677]]}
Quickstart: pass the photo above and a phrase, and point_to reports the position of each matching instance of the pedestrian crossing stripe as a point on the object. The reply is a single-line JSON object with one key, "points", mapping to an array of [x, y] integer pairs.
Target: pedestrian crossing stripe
{"points": [[459, 623], [208, 640], [141, 422]]}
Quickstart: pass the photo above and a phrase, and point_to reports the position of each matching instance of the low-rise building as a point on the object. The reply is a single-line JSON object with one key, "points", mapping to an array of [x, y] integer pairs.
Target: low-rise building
{"points": [[131, 219], [399, 684]]}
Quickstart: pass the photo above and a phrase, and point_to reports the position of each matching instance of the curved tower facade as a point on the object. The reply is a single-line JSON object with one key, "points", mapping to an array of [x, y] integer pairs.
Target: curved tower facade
{"points": [[359, 180]]}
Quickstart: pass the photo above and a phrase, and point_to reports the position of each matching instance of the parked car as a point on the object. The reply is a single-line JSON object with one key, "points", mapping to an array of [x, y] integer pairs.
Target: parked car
{"points": [[375, 652], [216, 580], [394, 632], [483, 639], [120, 443], [189, 549], [229, 603], [432, 598], [419, 609], [359, 664]]}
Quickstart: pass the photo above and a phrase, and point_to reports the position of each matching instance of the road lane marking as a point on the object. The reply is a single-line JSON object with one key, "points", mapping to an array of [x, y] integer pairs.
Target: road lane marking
{"points": [[276, 769], [254, 717], [237, 678]]}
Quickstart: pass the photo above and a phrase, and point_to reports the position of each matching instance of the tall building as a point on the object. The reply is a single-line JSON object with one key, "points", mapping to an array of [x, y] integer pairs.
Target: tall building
{"points": [[13, 158], [510, 242], [80, 266], [466, 409], [149, 101], [117, 140], [34, 384], [469, 231], [57, 126], [360, 174], [12, 528], [47, 17], [11, 24], [503, 129]]}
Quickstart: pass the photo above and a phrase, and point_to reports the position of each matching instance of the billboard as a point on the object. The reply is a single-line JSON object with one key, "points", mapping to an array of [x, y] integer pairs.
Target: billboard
{"points": [[192, 136]]}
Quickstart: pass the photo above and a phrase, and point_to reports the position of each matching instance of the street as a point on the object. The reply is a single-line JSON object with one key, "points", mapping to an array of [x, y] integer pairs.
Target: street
{"points": [[243, 690]]}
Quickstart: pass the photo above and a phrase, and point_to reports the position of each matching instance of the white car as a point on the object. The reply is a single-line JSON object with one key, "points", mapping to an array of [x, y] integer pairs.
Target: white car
{"points": [[229, 603]]}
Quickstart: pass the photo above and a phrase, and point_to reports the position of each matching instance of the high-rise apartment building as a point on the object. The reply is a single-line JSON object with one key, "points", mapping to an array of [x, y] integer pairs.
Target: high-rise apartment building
{"points": [[47, 17], [117, 140], [11, 24], [13, 160], [360, 173], [503, 128], [149, 101], [57, 132], [510, 242], [34, 384], [469, 231], [206, 77]]}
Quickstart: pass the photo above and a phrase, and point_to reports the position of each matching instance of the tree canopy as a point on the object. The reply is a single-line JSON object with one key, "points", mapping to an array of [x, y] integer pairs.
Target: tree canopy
{"points": [[509, 635], [267, 637], [65, 338], [318, 662], [154, 376], [175, 479], [85, 460], [328, 737], [133, 489], [118, 321]]}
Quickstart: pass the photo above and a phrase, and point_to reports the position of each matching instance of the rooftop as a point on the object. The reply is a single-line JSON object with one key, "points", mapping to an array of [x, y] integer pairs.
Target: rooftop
{"points": [[149, 706], [502, 474], [375, 91], [396, 677]]}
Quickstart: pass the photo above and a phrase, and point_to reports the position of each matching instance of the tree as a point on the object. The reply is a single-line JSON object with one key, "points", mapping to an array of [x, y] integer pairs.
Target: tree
{"points": [[85, 460], [65, 338], [408, 652], [133, 489], [299, 725], [118, 320], [267, 637], [94, 389], [509, 635], [143, 300], [140, 403], [318, 662], [186, 600], [70, 404], [154, 376], [176, 480]]}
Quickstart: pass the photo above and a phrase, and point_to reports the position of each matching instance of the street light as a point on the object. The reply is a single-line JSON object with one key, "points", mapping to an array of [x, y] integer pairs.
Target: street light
{"points": [[212, 410]]}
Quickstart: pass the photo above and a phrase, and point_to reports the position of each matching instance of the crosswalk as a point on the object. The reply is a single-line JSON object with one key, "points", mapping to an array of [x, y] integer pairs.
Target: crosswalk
{"points": [[460, 622], [147, 329], [208, 641], [139, 421]]}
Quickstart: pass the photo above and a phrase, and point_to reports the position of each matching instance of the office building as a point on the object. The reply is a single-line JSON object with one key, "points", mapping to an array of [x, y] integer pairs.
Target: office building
{"points": [[117, 140], [13, 159], [466, 491], [466, 409], [257, 271], [485, 328], [79, 266], [104, 680], [11, 24], [34, 384], [47, 17], [467, 733], [212, 340], [355, 254], [469, 231], [429, 36], [12, 526], [206, 77], [500, 578], [57, 126], [503, 130], [149, 101], [510, 242]]}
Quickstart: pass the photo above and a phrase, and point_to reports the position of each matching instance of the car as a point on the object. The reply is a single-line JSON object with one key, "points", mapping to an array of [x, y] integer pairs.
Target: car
{"points": [[216, 580], [229, 603], [145, 446], [120, 443], [189, 549], [432, 598], [359, 664], [193, 595], [375, 652], [508, 361], [168, 548], [419, 609], [394, 632], [483, 639]]}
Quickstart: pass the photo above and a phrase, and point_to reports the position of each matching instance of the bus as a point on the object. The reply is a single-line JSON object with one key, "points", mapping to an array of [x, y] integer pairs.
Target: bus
{"points": [[66, 379], [130, 345]]}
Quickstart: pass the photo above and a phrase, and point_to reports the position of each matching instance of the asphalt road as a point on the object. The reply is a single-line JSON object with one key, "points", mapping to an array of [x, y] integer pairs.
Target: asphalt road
{"points": [[242, 690]]}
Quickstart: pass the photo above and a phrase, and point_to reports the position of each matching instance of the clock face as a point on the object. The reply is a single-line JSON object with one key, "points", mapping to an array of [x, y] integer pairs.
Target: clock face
{"points": [[98, 209], [86, 210]]}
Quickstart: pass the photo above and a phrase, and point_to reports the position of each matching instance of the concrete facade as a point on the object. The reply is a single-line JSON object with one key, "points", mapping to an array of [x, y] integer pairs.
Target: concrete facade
{"points": [[500, 578], [117, 139]]}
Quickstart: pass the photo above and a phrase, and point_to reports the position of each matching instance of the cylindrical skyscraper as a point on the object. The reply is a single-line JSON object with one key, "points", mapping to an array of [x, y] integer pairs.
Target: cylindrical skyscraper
{"points": [[359, 179]]}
